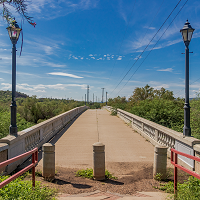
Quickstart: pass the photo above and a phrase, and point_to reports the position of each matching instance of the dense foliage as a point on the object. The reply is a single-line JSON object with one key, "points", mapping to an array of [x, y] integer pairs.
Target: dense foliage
{"points": [[188, 190], [21, 189], [160, 107], [31, 110]]}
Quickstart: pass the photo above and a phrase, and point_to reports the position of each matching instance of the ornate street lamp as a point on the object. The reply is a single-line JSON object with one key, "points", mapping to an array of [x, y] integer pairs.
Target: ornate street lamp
{"points": [[14, 32], [187, 32]]}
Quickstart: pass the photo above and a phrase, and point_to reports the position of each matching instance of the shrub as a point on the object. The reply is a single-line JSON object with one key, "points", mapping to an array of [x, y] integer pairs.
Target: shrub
{"points": [[20, 189]]}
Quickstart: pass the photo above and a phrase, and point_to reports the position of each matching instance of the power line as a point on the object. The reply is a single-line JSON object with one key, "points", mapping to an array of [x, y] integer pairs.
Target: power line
{"points": [[148, 44], [144, 35], [154, 46], [184, 88]]}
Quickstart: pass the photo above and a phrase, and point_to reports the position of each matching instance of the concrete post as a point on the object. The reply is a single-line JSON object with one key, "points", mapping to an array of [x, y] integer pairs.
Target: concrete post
{"points": [[156, 135], [142, 127], [48, 155], [99, 161], [160, 161]]}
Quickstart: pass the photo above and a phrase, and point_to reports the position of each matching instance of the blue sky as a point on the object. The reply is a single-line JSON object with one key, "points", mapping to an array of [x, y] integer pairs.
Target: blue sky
{"points": [[96, 42]]}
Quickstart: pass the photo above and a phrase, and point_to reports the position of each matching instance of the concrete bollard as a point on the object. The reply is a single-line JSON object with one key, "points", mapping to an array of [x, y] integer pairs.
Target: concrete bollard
{"points": [[160, 161], [99, 161], [48, 155]]}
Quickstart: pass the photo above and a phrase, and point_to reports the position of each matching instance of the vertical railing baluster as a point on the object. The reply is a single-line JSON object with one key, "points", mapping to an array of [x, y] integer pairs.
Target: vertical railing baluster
{"points": [[175, 174], [33, 170]]}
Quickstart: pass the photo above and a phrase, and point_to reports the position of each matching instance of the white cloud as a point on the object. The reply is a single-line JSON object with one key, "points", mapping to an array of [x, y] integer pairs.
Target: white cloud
{"points": [[42, 88], [53, 64], [119, 58], [6, 86], [93, 57], [165, 70], [151, 28], [138, 57], [51, 9], [64, 74], [75, 57], [90, 55]]}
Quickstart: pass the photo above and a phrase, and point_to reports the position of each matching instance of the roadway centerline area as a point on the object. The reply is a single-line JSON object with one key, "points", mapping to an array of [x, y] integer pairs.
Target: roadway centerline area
{"points": [[122, 145]]}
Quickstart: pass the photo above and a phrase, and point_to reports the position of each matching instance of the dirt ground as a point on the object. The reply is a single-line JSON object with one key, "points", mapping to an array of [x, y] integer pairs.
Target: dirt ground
{"points": [[128, 182]]}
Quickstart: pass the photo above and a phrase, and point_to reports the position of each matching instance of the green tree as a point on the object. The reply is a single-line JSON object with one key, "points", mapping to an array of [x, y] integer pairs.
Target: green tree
{"points": [[143, 93], [195, 117], [118, 102], [164, 94]]}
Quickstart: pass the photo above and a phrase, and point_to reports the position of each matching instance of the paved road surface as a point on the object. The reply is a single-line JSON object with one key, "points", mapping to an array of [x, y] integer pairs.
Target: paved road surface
{"points": [[122, 145]]}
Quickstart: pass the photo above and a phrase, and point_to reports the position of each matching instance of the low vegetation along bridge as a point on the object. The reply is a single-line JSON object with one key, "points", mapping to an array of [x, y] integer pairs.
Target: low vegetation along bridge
{"points": [[129, 152], [128, 156]]}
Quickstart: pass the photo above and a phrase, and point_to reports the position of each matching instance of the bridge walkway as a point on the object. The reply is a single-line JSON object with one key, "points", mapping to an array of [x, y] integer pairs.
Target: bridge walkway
{"points": [[126, 151]]}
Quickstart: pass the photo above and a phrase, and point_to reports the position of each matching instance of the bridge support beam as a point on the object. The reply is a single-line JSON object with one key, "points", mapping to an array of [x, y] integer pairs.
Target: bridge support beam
{"points": [[160, 161], [99, 161], [48, 155]]}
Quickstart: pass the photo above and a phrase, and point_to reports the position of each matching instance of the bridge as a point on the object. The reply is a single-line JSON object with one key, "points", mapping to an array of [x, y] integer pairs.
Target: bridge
{"points": [[127, 154], [129, 146]]}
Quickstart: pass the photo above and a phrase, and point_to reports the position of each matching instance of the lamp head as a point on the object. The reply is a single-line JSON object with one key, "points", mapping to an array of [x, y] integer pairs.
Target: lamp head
{"points": [[187, 32], [14, 32]]}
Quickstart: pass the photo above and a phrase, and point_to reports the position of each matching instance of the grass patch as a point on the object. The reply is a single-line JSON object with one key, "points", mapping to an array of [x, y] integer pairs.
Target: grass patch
{"points": [[21, 189], [88, 173], [189, 190]]}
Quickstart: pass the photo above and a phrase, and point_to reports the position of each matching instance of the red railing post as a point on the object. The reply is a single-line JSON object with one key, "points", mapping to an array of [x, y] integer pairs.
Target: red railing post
{"points": [[34, 154], [175, 173], [33, 170]]}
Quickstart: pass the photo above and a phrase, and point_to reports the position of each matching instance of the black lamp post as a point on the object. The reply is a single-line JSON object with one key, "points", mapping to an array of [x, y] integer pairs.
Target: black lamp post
{"points": [[187, 32], [14, 32]]}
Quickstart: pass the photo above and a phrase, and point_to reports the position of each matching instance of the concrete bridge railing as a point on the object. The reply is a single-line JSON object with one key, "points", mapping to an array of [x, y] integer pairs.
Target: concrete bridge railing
{"points": [[35, 136], [163, 136]]}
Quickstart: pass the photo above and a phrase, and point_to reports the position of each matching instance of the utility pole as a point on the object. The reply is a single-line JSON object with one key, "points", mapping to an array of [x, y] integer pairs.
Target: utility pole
{"points": [[88, 94], [96, 98], [93, 98], [106, 98], [102, 93], [85, 99]]}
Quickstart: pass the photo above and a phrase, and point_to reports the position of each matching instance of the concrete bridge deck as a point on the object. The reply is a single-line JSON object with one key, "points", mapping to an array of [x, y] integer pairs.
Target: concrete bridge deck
{"points": [[125, 150], [122, 144]]}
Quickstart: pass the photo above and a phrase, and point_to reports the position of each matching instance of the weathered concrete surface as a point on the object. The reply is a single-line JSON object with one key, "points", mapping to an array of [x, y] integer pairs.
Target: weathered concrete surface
{"points": [[122, 144]]}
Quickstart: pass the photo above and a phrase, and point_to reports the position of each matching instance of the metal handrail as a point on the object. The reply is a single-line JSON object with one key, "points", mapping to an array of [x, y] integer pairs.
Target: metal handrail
{"points": [[34, 153], [174, 159]]}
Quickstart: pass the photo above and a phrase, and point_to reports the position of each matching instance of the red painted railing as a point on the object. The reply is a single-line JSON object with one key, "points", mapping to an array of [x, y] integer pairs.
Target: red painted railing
{"points": [[174, 159], [34, 153]]}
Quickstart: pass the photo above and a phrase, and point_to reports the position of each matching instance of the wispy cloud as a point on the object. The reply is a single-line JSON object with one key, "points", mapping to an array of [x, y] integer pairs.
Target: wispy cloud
{"points": [[165, 70], [151, 28], [137, 57], [119, 58], [64, 74], [42, 88], [51, 9]]}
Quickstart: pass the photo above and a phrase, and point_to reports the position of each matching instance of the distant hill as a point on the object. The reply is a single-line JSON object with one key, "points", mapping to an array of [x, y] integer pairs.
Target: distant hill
{"points": [[7, 95]]}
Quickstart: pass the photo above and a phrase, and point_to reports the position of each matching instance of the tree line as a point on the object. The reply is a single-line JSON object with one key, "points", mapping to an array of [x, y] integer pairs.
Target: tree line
{"points": [[161, 107], [31, 110]]}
